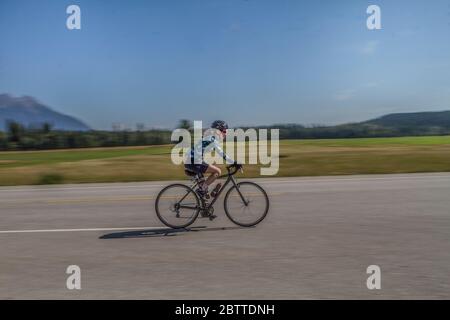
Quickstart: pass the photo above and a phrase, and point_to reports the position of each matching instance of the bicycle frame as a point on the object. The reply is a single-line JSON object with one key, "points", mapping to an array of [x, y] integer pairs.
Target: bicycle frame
{"points": [[230, 178]]}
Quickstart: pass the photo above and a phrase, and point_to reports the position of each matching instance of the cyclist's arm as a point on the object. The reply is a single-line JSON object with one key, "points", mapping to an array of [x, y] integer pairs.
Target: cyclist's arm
{"points": [[220, 151]]}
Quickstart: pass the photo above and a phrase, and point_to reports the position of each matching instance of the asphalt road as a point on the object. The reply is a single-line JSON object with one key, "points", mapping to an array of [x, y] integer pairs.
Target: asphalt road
{"points": [[320, 236]]}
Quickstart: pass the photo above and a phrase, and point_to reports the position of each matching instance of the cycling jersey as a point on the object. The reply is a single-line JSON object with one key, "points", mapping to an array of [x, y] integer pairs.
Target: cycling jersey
{"points": [[207, 144]]}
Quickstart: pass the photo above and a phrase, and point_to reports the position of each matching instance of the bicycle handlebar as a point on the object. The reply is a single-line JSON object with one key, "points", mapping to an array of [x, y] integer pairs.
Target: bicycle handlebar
{"points": [[234, 168]]}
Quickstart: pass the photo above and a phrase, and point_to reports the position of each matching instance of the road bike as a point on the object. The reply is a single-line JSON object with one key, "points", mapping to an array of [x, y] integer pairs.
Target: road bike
{"points": [[245, 203]]}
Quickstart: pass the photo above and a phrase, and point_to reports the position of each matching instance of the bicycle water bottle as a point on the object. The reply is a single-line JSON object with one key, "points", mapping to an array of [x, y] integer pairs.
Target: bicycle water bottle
{"points": [[216, 190]]}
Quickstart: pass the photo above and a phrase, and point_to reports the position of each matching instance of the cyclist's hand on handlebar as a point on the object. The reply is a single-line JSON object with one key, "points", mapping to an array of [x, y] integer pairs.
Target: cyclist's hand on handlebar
{"points": [[237, 165]]}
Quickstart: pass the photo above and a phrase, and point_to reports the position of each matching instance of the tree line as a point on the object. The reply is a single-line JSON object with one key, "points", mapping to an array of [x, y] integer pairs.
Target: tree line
{"points": [[18, 137]]}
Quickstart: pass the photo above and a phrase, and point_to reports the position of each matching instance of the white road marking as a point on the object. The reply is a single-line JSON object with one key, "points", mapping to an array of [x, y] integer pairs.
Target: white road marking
{"points": [[81, 230]]}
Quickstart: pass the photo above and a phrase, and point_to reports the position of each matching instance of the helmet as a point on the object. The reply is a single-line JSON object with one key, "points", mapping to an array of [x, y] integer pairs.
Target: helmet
{"points": [[220, 125]]}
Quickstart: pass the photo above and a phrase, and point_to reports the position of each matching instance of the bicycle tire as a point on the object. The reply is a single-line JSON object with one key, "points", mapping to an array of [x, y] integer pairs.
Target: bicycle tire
{"points": [[165, 221], [230, 215]]}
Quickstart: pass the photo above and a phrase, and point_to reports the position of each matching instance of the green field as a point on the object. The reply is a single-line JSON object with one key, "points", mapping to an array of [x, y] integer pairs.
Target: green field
{"points": [[297, 158]]}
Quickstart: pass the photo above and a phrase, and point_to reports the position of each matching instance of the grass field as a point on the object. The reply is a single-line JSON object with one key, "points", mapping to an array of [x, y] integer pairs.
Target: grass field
{"points": [[297, 158]]}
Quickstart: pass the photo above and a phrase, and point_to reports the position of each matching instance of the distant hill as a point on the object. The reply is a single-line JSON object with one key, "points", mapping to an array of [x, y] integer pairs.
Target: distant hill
{"points": [[391, 125], [29, 112], [416, 119]]}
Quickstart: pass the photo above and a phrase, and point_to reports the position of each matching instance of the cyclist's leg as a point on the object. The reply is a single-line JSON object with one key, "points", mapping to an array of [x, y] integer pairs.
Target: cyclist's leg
{"points": [[201, 168], [214, 172]]}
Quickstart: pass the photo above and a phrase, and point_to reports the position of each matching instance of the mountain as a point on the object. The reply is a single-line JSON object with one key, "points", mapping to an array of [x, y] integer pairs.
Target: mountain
{"points": [[29, 112], [416, 119]]}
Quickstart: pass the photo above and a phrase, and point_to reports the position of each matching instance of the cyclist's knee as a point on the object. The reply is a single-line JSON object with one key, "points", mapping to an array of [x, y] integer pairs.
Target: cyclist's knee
{"points": [[216, 171]]}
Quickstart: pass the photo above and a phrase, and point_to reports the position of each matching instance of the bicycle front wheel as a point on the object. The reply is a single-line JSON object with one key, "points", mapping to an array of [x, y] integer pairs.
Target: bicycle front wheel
{"points": [[246, 205], [177, 206]]}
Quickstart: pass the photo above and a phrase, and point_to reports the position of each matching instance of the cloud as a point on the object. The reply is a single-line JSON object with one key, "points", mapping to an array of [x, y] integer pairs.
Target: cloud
{"points": [[348, 94], [370, 85], [369, 47], [344, 95]]}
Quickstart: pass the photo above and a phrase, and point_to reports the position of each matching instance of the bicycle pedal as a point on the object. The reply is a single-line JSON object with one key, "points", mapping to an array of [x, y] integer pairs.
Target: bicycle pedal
{"points": [[212, 217]]}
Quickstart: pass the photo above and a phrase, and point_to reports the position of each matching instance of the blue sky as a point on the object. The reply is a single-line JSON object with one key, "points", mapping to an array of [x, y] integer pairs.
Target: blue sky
{"points": [[248, 62]]}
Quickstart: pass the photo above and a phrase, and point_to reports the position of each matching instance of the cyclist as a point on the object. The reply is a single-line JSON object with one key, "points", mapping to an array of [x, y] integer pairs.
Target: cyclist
{"points": [[194, 161]]}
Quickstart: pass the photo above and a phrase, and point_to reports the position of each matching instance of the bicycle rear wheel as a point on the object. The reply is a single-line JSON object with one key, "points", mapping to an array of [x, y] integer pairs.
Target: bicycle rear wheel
{"points": [[177, 206], [246, 205]]}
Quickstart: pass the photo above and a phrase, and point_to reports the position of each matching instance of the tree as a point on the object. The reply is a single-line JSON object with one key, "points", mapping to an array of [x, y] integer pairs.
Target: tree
{"points": [[15, 131], [185, 124], [46, 127]]}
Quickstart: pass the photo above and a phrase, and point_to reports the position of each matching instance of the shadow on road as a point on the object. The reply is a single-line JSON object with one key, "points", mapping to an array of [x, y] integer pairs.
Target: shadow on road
{"points": [[163, 232]]}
